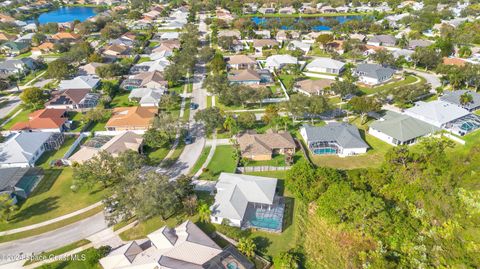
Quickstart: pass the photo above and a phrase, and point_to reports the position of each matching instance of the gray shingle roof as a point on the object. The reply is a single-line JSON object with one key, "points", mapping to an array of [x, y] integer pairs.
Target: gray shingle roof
{"points": [[346, 135], [22, 147], [402, 127], [454, 98], [374, 71]]}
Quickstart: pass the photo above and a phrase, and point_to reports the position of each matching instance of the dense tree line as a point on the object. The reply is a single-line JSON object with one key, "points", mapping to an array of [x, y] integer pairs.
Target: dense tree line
{"points": [[418, 210]]}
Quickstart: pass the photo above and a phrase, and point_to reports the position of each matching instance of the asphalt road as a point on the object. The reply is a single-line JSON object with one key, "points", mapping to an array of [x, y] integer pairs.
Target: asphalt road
{"points": [[7, 104], [432, 79], [12, 251]]}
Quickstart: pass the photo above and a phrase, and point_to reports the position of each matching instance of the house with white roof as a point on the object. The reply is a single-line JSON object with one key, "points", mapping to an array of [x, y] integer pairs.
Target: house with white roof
{"points": [[325, 65], [246, 201], [25, 148], [295, 44], [169, 36], [146, 96], [185, 246], [445, 115], [80, 83], [280, 60]]}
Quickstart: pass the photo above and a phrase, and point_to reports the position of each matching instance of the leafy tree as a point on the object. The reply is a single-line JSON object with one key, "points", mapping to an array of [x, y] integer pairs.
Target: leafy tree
{"points": [[163, 131], [247, 247], [113, 30], [465, 52], [173, 74], [97, 114], [230, 124], [364, 104], [206, 54], [38, 38], [466, 98], [110, 70], [95, 58], [344, 88], [383, 57], [7, 207], [426, 57], [226, 42], [445, 46], [271, 112], [288, 260], [247, 120], [204, 213], [211, 117], [217, 64], [33, 97], [324, 39], [59, 69]]}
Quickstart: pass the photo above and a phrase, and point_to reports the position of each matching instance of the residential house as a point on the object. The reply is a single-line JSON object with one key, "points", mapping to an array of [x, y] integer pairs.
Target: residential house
{"points": [[263, 34], [131, 118], [120, 51], [44, 48], [394, 20], [74, 99], [445, 115], [12, 48], [382, 40], [419, 43], [26, 38], [454, 61], [240, 61], [405, 53], [311, 87], [335, 138], [261, 44], [18, 182], [25, 148], [89, 69], [287, 10], [44, 120], [325, 65], [281, 36], [335, 46], [311, 37], [327, 9], [266, 10], [373, 74], [223, 14], [295, 44], [185, 246], [146, 96], [400, 129], [359, 37], [250, 77], [262, 147], [170, 36], [168, 46], [80, 83], [66, 37], [157, 65], [246, 201], [5, 37], [455, 97], [229, 33], [122, 142], [279, 61], [153, 79], [17, 67]]}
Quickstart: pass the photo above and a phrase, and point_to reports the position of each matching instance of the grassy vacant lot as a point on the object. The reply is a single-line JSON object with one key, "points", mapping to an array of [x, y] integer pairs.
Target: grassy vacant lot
{"points": [[222, 161], [21, 117]]}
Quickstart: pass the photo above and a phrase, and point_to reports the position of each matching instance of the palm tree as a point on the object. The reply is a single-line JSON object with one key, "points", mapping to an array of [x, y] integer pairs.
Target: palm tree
{"points": [[7, 207], [247, 247], [403, 41], [204, 213], [466, 98], [288, 260]]}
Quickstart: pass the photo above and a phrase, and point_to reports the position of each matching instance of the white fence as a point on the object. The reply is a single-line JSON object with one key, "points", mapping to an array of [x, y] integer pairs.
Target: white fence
{"points": [[74, 146], [318, 75], [263, 168]]}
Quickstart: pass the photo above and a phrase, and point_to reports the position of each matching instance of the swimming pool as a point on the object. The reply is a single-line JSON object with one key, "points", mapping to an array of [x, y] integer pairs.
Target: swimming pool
{"points": [[270, 219], [325, 151], [27, 183], [232, 265]]}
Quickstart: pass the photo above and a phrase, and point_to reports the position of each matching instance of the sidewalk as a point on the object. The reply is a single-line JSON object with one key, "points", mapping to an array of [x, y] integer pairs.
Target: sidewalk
{"points": [[48, 222]]}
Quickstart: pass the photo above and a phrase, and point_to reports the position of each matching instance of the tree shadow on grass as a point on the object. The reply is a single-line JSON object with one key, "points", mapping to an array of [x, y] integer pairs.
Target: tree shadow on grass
{"points": [[42, 207], [49, 178], [262, 243], [288, 213]]}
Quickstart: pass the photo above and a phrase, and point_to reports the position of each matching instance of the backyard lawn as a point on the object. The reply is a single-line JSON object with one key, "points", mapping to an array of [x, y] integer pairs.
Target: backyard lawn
{"points": [[277, 160], [121, 100], [155, 156], [222, 161], [78, 122], [97, 126], [49, 156]]}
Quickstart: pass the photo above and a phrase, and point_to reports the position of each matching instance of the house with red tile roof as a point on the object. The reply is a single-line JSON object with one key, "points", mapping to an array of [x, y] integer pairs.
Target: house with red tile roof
{"points": [[44, 120]]}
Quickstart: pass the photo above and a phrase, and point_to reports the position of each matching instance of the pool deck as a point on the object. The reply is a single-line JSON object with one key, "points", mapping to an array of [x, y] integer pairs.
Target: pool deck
{"points": [[270, 220]]}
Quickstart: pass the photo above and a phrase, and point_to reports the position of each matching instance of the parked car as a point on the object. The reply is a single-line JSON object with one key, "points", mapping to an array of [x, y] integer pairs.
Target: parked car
{"points": [[193, 106], [189, 139]]}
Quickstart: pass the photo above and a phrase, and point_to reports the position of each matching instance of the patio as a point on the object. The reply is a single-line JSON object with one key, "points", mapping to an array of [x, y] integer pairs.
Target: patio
{"points": [[265, 217]]}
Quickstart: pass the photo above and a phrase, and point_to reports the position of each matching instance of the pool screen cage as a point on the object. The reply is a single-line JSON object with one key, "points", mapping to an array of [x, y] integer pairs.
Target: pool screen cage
{"points": [[464, 125], [324, 147]]}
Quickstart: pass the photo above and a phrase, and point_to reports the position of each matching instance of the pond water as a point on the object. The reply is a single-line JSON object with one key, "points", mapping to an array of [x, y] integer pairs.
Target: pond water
{"points": [[67, 14], [320, 23]]}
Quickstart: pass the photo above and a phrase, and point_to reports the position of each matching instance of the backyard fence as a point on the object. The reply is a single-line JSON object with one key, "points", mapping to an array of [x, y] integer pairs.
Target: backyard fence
{"points": [[74, 146], [263, 168]]}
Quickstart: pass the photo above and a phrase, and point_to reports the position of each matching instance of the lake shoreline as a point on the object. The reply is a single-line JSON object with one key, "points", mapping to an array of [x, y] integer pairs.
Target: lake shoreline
{"points": [[300, 15]]}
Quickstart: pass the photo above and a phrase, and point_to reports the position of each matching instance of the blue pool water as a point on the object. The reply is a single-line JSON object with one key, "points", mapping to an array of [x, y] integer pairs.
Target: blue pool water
{"points": [[232, 265], [340, 19], [324, 151], [267, 223], [67, 14]]}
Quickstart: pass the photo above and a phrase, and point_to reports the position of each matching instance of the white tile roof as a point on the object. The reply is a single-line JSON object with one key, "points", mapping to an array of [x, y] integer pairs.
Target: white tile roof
{"points": [[80, 82], [436, 112]]}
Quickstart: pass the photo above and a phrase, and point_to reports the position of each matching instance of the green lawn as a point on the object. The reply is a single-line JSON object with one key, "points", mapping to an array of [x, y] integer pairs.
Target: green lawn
{"points": [[21, 117], [178, 89], [277, 160], [62, 250], [49, 156], [78, 121], [317, 51], [80, 263], [96, 126], [209, 101], [52, 198], [409, 79], [186, 112], [121, 100], [153, 44], [155, 156], [222, 161], [176, 154], [201, 160], [144, 59]]}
